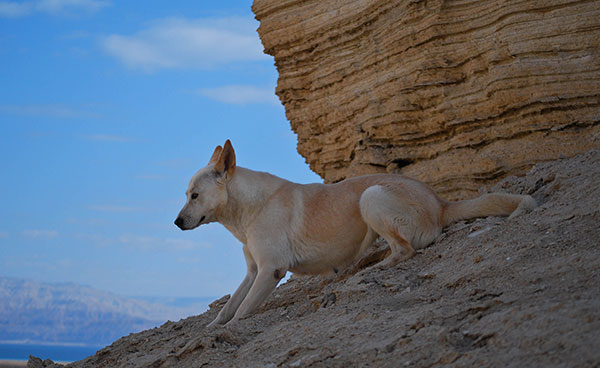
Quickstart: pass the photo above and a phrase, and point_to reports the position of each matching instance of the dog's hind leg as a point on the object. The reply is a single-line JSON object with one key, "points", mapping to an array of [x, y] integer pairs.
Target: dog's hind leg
{"points": [[236, 299], [400, 247], [393, 218]]}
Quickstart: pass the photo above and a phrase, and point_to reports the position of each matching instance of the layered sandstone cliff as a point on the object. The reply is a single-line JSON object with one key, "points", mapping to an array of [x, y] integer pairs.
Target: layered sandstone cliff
{"points": [[457, 93]]}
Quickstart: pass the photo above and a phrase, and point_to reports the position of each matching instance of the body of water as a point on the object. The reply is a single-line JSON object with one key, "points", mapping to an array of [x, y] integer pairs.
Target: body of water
{"points": [[57, 353]]}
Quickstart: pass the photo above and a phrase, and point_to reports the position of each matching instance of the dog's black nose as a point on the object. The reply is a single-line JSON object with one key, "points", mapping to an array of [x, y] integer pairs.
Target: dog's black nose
{"points": [[179, 222]]}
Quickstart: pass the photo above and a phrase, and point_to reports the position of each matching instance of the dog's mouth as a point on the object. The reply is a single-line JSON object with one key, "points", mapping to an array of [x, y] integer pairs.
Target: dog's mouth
{"points": [[200, 222]]}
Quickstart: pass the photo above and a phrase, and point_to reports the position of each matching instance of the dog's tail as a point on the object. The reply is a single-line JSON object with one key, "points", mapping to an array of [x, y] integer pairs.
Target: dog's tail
{"points": [[493, 204]]}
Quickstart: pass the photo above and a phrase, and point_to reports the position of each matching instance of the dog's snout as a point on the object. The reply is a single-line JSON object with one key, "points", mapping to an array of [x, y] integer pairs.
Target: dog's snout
{"points": [[179, 222]]}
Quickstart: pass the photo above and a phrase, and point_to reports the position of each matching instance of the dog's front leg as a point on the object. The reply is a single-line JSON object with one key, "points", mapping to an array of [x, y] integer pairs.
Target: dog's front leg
{"points": [[266, 281], [234, 302]]}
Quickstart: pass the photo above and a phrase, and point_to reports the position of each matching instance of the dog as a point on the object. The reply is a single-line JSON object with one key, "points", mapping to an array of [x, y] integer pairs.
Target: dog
{"points": [[319, 228]]}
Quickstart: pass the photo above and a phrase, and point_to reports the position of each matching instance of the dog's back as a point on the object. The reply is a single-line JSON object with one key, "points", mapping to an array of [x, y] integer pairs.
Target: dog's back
{"points": [[329, 228]]}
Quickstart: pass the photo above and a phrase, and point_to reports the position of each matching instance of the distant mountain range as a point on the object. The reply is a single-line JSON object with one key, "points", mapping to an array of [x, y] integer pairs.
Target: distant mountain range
{"points": [[34, 312]]}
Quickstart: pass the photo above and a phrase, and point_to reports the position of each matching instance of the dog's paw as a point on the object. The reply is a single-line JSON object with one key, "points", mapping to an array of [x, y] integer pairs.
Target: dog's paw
{"points": [[214, 324], [527, 204], [231, 323]]}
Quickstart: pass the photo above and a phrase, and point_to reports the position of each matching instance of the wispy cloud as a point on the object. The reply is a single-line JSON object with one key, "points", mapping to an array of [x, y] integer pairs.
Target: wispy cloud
{"points": [[15, 9], [76, 35], [189, 260], [40, 234], [144, 243], [99, 240], [178, 163], [151, 177], [52, 111], [184, 244], [149, 243], [116, 208], [187, 43], [241, 95], [106, 138]]}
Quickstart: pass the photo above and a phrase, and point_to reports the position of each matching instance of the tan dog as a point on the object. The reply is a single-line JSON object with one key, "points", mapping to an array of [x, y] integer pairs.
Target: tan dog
{"points": [[319, 228]]}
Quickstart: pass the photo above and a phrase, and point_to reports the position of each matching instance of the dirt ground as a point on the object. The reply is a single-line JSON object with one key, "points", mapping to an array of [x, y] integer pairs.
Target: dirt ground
{"points": [[491, 292]]}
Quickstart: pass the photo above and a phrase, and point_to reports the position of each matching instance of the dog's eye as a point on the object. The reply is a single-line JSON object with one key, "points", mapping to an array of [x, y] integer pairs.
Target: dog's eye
{"points": [[194, 195]]}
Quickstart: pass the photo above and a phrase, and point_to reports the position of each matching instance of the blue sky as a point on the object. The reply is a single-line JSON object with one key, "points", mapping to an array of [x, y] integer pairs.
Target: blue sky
{"points": [[107, 109]]}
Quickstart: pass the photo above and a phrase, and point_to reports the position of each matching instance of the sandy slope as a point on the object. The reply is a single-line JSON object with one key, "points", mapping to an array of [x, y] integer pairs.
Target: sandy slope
{"points": [[490, 292]]}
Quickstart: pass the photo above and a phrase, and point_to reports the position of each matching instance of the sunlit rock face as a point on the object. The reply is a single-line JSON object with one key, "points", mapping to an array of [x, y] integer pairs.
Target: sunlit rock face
{"points": [[454, 93]]}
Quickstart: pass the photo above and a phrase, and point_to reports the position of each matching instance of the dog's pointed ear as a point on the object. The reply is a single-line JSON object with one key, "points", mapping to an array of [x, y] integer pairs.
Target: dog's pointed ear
{"points": [[215, 155], [226, 162]]}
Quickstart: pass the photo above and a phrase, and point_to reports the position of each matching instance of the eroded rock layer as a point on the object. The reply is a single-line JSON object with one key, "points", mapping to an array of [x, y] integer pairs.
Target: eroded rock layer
{"points": [[455, 93]]}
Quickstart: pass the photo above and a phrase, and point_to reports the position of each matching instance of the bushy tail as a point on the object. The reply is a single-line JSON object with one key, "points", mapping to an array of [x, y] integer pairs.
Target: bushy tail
{"points": [[493, 204]]}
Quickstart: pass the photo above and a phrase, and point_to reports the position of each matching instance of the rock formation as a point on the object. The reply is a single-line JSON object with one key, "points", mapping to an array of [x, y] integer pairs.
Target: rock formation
{"points": [[455, 93]]}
